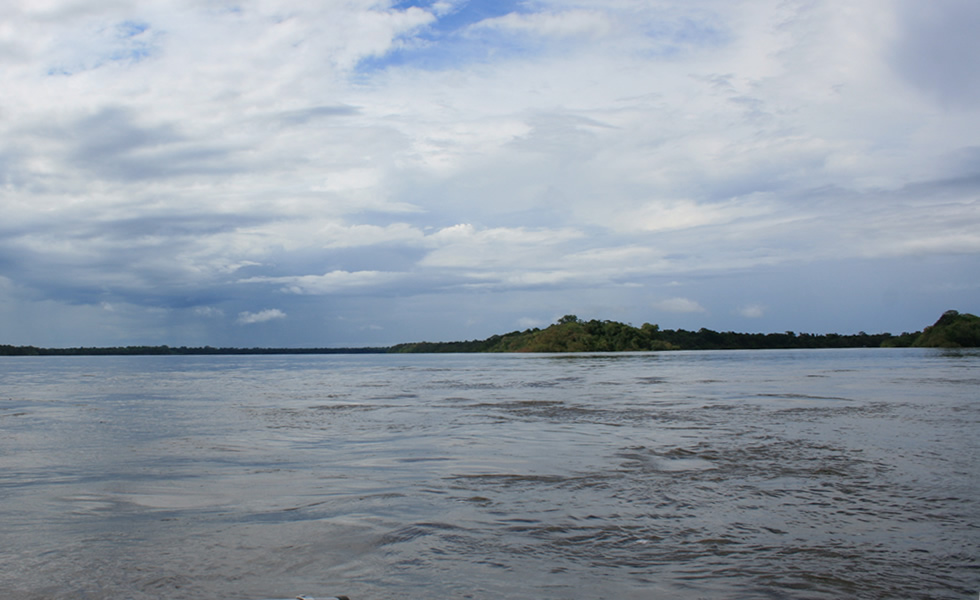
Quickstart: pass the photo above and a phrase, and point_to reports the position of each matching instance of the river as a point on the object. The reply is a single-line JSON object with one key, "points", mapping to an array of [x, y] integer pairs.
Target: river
{"points": [[797, 474]]}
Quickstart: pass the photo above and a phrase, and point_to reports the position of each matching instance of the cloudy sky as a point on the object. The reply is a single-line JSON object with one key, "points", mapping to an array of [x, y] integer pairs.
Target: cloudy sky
{"points": [[368, 172]]}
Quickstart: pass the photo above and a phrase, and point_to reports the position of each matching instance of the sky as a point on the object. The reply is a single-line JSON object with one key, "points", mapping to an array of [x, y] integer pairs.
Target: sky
{"points": [[349, 173]]}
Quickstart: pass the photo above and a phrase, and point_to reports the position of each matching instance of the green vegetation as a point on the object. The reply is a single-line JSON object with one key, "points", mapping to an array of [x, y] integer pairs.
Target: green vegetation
{"points": [[571, 334], [6, 350], [952, 330], [568, 335]]}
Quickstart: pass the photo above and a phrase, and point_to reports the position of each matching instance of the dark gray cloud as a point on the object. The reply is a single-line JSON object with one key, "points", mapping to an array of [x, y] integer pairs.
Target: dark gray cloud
{"points": [[114, 145], [145, 260], [938, 47], [304, 115]]}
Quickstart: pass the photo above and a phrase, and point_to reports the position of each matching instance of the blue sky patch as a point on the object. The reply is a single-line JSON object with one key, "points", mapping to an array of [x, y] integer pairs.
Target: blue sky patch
{"points": [[134, 46], [125, 42], [672, 38], [446, 44], [128, 29]]}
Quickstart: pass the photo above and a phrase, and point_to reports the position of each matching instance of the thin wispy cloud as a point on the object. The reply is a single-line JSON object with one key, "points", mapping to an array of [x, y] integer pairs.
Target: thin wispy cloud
{"points": [[457, 168]]}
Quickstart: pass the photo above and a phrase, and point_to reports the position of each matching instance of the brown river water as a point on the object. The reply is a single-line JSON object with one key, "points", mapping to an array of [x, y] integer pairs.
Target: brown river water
{"points": [[810, 474]]}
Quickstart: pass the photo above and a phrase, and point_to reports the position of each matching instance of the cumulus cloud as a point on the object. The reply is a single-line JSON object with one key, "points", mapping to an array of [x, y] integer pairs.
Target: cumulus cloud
{"points": [[412, 160], [679, 305], [209, 312], [752, 311], [270, 314], [466, 247], [565, 23], [336, 235], [328, 283]]}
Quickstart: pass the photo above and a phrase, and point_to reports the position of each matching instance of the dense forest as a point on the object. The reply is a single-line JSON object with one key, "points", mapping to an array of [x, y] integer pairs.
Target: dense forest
{"points": [[952, 330], [571, 334]]}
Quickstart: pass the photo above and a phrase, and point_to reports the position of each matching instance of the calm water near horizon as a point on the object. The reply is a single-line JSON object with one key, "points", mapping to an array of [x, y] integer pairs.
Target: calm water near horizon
{"points": [[796, 474]]}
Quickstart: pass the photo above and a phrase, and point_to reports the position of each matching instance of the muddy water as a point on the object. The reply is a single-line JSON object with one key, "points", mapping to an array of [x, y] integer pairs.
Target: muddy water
{"points": [[763, 474]]}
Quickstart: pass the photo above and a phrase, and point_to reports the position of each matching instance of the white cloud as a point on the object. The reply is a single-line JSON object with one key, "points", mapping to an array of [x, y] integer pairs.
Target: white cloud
{"points": [[209, 312], [328, 283], [464, 246], [271, 314], [350, 179], [219, 158], [752, 311], [679, 305], [443, 7], [659, 215], [334, 235], [566, 23]]}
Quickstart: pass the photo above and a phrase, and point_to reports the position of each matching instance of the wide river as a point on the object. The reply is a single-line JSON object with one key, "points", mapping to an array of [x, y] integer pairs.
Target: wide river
{"points": [[817, 474]]}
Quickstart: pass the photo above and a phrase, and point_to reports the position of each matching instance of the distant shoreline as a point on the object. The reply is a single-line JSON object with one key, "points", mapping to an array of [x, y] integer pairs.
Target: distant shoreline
{"points": [[571, 334], [177, 351], [152, 351]]}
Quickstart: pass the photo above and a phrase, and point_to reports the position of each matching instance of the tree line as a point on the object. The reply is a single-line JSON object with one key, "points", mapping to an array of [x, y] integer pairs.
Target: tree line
{"points": [[571, 334], [7, 350]]}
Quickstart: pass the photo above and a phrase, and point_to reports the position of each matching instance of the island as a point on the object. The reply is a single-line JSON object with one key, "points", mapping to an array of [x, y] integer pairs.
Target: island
{"points": [[571, 334]]}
